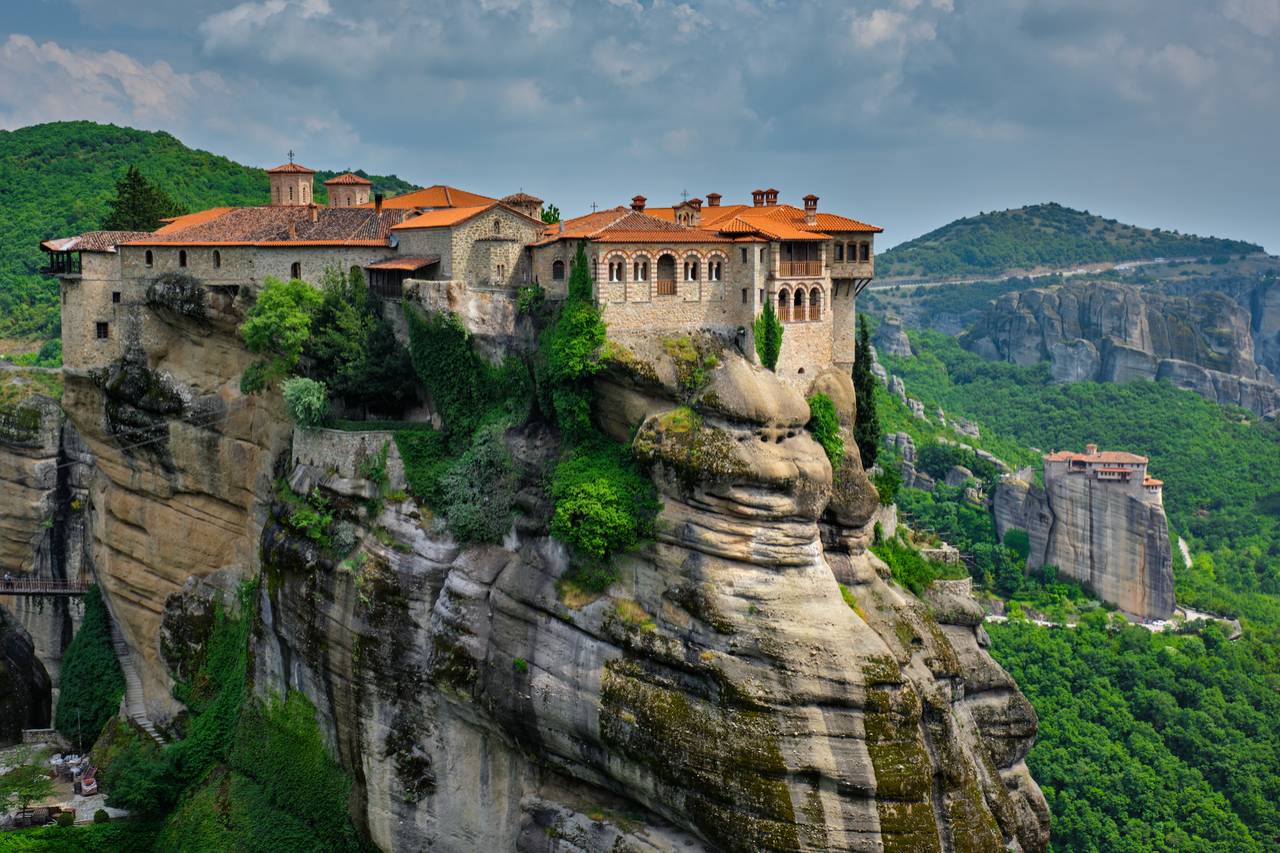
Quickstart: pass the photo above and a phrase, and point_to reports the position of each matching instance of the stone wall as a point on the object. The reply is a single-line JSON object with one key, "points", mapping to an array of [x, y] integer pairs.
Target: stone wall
{"points": [[347, 454]]}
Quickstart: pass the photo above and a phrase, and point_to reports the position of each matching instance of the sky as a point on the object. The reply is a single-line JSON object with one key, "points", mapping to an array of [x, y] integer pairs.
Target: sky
{"points": [[904, 113]]}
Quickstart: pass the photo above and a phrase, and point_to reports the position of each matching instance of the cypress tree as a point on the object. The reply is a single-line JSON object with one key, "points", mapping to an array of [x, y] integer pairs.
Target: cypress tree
{"points": [[139, 205], [768, 329], [866, 423], [92, 683]]}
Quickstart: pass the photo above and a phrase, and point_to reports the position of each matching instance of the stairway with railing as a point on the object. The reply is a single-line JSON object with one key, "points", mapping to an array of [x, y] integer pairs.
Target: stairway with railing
{"points": [[133, 704]]}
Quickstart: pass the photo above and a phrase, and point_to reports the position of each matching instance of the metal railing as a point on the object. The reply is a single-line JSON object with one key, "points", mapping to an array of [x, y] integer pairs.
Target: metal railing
{"points": [[41, 586]]}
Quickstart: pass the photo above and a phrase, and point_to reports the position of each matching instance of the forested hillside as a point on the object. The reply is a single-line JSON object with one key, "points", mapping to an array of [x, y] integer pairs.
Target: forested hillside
{"points": [[1147, 742], [1041, 235], [58, 178]]}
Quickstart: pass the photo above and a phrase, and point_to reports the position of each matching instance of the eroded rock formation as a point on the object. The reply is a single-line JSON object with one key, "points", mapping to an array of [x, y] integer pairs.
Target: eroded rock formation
{"points": [[1110, 332]]}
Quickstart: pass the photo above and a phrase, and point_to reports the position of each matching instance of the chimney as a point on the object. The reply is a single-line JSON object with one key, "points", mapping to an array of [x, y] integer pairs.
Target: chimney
{"points": [[713, 199], [637, 203], [811, 209], [695, 203], [293, 231], [770, 197], [1091, 449], [377, 203], [757, 198]]}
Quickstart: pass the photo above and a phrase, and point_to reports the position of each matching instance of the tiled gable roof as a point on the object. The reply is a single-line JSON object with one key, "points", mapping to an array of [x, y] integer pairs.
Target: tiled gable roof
{"points": [[435, 196], [282, 224], [348, 178], [291, 169], [521, 198], [444, 217], [1103, 458], [92, 241]]}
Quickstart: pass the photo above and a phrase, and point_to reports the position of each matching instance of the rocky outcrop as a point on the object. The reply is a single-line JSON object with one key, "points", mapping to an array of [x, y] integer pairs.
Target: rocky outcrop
{"points": [[1109, 332], [1115, 543], [892, 338], [721, 694], [24, 685]]}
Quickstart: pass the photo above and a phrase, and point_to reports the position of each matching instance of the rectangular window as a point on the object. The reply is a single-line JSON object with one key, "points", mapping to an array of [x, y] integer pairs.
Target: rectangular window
{"points": [[744, 296], [744, 254], [762, 295], [866, 251], [839, 251], [103, 331], [115, 297]]}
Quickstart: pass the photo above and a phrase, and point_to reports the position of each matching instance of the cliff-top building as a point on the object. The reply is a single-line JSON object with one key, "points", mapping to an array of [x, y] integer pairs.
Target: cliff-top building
{"points": [[692, 266], [1126, 471]]}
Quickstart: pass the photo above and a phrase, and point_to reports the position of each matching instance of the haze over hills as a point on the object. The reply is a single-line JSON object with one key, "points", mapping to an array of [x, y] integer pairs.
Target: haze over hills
{"points": [[58, 178], [1041, 236]]}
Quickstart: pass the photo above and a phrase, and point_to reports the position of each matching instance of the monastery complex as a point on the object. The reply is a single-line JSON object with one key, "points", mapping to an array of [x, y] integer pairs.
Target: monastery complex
{"points": [[696, 265]]}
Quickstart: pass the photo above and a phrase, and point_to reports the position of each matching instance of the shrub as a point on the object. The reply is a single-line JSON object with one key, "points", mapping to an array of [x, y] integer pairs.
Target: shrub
{"points": [[307, 401], [92, 683], [824, 424], [101, 816], [603, 502], [909, 568], [768, 334], [530, 299], [66, 819], [479, 488], [279, 323], [887, 484], [520, 665], [1018, 541]]}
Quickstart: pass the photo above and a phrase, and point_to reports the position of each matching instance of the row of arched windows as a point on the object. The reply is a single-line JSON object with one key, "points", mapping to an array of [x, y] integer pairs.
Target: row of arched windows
{"points": [[666, 270], [800, 305], [216, 258]]}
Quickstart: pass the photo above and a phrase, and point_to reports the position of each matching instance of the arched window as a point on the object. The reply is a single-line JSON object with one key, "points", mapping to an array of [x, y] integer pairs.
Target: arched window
{"points": [[182, 257], [798, 302], [714, 270], [217, 259], [502, 271], [615, 271], [557, 270], [295, 269], [497, 226], [691, 269], [148, 259], [666, 276], [784, 305], [815, 304], [640, 271]]}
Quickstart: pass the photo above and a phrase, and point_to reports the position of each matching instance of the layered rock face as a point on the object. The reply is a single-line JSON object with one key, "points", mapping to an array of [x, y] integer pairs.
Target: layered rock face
{"points": [[24, 684], [1115, 544], [1109, 332], [720, 695]]}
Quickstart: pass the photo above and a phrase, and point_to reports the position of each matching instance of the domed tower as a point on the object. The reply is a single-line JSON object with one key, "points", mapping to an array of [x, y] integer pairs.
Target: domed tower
{"points": [[349, 190], [529, 205], [291, 184]]}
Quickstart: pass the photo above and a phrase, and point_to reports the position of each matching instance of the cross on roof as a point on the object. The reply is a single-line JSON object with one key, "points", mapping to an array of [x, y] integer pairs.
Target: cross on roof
{"points": [[593, 207], [290, 155], [684, 195]]}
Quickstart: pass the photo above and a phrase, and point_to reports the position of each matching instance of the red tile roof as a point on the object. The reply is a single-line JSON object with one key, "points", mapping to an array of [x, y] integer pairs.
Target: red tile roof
{"points": [[406, 264], [521, 198], [277, 225], [443, 217], [92, 241], [291, 169], [1152, 481], [348, 178], [1103, 458], [435, 196]]}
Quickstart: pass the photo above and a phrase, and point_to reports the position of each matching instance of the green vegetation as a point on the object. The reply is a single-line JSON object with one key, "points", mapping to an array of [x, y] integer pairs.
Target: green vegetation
{"points": [[60, 179], [824, 424], [125, 836], [28, 782], [866, 424], [307, 401], [768, 335], [604, 502], [550, 214], [1151, 741], [1042, 235], [91, 681], [909, 568], [1217, 463], [139, 205], [278, 325], [49, 355]]}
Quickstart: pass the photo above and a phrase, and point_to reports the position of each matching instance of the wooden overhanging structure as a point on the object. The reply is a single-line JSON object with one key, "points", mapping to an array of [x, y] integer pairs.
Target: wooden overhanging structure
{"points": [[386, 278]]}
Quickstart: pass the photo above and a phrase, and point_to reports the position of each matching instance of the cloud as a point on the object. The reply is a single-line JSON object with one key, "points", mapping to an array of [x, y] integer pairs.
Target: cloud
{"points": [[1260, 17]]}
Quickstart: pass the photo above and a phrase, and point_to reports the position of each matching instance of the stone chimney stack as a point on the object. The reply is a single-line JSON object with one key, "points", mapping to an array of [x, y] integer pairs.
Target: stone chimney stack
{"points": [[811, 209], [757, 198], [349, 190], [1091, 449], [770, 197], [291, 184], [315, 213], [377, 203], [637, 203], [713, 199]]}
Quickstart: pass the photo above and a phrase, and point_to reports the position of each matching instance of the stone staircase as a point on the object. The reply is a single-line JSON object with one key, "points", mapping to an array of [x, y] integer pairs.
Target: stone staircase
{"points": [[132, 705]]}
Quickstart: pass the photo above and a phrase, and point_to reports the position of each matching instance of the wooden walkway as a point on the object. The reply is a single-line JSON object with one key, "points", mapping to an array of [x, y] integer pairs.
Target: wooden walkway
{"points": [[42, 586]]}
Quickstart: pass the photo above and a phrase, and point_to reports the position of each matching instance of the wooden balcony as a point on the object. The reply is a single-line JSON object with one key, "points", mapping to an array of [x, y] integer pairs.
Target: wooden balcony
{"points": [[799, 269], [666, 287]]}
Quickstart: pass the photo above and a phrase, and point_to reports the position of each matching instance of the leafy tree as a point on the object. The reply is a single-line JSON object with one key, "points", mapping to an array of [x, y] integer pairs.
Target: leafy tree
{"points": [[91, 680], [768, 334], [571, 351], [25, 784], [551, 214], [139, 205], [824, 423], [866, 424], [278, 324], [307, 401]]}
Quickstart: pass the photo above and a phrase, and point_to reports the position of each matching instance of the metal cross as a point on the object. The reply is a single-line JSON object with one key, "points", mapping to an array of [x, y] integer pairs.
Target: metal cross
{"points": [[684, 195], [290, 155], [593, 207]]}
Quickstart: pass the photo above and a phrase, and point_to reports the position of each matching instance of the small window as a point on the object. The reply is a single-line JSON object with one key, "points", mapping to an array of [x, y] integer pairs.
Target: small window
{"points": [[866, 252], [853, 252], [762, 254], [115, 297], [815, 304], [744, 296], [182, 257], [295, 269], [290, 193], [762, 296], [148, 259], [217, 259], [557, 270], [714, 270], [839, 251], [690, 270], [103, 331], [744, 254], [501, 271], [497, 226]]}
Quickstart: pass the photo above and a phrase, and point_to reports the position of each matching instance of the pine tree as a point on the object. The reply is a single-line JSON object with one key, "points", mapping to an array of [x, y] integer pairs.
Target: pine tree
{"points": [[866, 423], [768, 331], [139, 205], [551, 214]]}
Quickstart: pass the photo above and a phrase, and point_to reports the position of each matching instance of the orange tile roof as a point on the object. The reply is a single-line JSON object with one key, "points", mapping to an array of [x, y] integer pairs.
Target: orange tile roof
{"points": [[435, 196], [277, 225], [405, 264], [291, 169], [1105, 457], [348, 178], [178, 223], [443, 217], [780, 221], [521, 198], [1152, 481], [92, 241]]}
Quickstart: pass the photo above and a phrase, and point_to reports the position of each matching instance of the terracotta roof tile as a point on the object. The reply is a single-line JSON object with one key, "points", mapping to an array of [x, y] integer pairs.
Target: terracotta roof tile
{"points": [[348, 178], [178, 223], [406, 264], [444, 217], [433, 197], [92, 241], [291, 169], [521, 198], [1103, 458], [278, 225]]}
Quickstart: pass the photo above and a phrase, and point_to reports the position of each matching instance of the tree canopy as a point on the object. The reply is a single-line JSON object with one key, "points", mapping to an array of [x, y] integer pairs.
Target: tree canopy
{"points": [[139, 205]]}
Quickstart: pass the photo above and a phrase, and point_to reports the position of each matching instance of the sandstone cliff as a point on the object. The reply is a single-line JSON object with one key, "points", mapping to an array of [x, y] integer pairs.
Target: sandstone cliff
{"points": [[1109, 332], [1115, 544]]}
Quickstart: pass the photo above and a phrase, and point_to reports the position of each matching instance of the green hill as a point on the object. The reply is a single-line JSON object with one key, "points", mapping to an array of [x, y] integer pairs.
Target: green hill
{"points": [[58, 177], [1042, 235]]}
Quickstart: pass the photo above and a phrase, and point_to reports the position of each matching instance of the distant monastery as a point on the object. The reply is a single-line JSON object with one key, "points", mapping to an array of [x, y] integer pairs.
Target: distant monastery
{"points": [[691, 266]]}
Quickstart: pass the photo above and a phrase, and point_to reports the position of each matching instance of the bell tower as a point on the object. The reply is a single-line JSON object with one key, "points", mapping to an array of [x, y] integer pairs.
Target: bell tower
{"points": [[291, 184]]}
